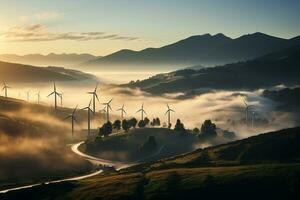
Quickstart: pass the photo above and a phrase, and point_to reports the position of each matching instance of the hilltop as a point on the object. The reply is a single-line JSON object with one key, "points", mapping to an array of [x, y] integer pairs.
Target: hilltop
{"points": [[269, 162], [206, 50], [18, 73]]}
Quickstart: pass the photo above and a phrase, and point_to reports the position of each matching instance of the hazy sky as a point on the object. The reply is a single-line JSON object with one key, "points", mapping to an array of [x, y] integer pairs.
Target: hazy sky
{"points": [[102, 27]]}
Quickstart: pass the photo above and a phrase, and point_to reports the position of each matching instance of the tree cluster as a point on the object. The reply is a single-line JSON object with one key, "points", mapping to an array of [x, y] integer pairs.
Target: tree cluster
{"points": [[208, 129], [155, 122]]}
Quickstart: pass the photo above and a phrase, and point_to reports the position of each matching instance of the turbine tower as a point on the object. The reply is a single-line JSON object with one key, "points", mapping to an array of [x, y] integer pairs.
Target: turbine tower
{"points": [[169, 110], [142, 111], [73, 119], [89, 111], [247, 107], [95, 96], [5, 87], [122, 111], [39, 97], [56, 94], [107, 109], [253, 118]]}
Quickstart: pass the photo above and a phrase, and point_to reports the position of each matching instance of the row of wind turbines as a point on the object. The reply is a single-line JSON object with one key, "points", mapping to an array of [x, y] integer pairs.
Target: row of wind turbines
{"points": [[107, 108]]}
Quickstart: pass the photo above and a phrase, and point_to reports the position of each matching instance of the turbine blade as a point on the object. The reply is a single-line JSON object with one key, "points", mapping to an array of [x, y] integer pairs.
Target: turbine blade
{"points": [[50, 94], [96, 88], [96, 97], [139, 110], [67, 117], [110, 101], [75, 110]]}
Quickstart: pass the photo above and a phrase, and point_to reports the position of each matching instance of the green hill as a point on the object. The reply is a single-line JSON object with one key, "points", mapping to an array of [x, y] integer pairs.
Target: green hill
{"points": [[260, 167]]}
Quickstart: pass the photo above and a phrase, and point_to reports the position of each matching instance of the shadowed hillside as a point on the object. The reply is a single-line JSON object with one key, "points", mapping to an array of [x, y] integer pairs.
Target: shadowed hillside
{"points": [[127, 147], [267, 71]]}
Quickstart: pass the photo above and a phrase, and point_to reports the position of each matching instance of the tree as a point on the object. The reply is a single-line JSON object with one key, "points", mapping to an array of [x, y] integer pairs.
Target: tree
{"points": [[132, 122], [141, 124], [179, 126], [147, 121], [196, 130], [106, 129], [125, 125], [117, 124], [208, 129], [157, 121]]}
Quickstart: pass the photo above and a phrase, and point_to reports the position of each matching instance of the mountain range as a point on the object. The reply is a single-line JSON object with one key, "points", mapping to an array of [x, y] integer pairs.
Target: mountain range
{"points": [[207, 50], [274, 69], [66, 60]]}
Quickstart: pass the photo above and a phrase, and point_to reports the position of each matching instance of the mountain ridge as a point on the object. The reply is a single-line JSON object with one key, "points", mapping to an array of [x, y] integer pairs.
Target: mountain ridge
{"points": [[206, 49]]}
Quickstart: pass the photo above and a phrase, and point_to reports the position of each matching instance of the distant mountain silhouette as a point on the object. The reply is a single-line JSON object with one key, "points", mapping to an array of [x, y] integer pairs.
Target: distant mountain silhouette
{"points": [[67, 60], [207, 50], [277, 68], [18, 73]]}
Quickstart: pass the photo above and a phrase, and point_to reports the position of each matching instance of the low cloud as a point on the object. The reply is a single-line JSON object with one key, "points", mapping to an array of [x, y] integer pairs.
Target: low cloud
{"points": [[39, 33]]}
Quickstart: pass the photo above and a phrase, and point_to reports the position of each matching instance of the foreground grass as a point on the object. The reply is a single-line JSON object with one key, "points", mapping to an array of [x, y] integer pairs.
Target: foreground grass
{"points": [[277, 181]]}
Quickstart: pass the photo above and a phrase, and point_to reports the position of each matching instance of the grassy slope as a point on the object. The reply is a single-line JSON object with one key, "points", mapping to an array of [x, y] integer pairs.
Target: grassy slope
{"points": [[265, 166], [126, 147]]}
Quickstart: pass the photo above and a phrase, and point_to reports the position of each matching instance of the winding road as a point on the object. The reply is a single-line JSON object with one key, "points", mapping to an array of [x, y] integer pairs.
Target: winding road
{"points": [[93, 160]]}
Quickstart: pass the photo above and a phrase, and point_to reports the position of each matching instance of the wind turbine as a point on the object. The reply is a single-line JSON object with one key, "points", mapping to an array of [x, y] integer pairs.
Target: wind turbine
{"points": [[169, 110], [122, 111], [253, 118], [107, 109], [247, 107], [73, 119], [142, 111], [89, 111], [38, 96], [56, 94], [94, 93], [5, 87]]}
